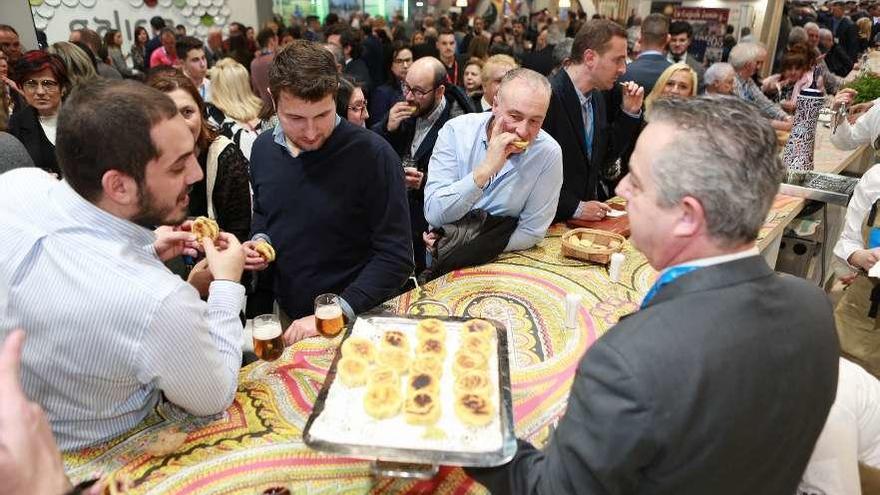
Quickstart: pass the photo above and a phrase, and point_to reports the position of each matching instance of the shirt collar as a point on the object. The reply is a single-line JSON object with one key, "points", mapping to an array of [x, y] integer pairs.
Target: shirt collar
{"points": [[87, 213], [717, 260], [584, 99], [281, 139], [650, 52], [435, 114]]}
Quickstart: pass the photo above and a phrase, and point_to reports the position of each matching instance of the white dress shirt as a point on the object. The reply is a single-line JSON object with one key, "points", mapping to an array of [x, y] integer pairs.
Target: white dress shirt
{"points": [[864, 131], [109, 327], [866, 193]]}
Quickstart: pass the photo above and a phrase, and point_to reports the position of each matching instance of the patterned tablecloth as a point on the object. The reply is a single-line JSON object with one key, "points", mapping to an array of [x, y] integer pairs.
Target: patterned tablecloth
{"points": [[257, 443]]}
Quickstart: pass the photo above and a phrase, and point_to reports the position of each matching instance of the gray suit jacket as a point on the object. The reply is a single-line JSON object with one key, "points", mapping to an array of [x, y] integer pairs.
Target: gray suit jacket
{"points": [[720, 386]]}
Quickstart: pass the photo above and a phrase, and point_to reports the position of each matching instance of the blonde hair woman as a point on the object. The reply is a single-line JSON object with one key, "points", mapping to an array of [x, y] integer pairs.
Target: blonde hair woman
{"points": [[80, 68], [236, 109], [678, 80]]}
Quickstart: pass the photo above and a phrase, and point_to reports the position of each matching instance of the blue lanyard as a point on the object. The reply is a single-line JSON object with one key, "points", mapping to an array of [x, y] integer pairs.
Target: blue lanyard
{"points": [[667, 277]]}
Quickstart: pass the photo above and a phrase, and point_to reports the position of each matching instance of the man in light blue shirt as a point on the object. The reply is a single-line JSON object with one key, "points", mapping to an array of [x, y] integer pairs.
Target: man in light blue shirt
{"points": [[499, 161], [110, 328]]}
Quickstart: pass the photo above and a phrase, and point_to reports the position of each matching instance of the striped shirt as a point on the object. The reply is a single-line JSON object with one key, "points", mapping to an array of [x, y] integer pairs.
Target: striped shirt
{"points": [[108, 326]]}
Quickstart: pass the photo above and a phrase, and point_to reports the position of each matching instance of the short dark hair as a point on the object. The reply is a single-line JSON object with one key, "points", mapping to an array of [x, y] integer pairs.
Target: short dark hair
{"points": [[655, 29], [167, 81], [304, 69], [100, 108], [186, 43], [157, 23], [678, 27], [264, 36], [445, 30], [92, 39], [7, 27], [596, 35], [343, 95]]}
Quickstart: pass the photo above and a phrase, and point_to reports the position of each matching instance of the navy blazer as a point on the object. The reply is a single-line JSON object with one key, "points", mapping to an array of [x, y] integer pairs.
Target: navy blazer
{"points": [[645, 70], [614, 131]]}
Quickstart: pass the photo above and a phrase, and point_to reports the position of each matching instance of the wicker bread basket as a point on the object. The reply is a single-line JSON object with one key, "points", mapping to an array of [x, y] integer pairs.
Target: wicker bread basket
{"points": [[592, 245]]}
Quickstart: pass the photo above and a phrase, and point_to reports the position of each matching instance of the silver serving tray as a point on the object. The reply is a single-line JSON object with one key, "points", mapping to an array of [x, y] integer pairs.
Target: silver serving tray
{"points": [[378, 452]]}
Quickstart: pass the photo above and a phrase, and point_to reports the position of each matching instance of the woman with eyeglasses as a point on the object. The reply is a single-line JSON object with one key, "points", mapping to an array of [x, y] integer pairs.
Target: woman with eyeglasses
{"points": [[386, 95], [42, 78], [351, 104]]}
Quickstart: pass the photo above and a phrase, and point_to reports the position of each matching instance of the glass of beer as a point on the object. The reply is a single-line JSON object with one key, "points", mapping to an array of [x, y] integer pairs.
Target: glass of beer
{"points": [[268, 341], [328, 315]]}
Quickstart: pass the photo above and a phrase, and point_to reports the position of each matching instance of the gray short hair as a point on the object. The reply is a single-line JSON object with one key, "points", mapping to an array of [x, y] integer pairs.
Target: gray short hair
{"points": [[811, 25], [716, 72], [825, 33], [797, 35], [528, 75], [743, 53], [561, 51], [734, 174]]}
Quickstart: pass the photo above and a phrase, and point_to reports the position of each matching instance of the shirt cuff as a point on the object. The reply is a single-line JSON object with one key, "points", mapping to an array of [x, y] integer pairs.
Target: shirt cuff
{"points": [[578, 210], [636, 115], [346, 310], [261, 237], [225, 294]]}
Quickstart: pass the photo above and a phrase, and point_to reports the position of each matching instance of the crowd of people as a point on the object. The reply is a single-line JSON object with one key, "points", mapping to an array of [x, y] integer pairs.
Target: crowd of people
{"points": [[355, 148]]}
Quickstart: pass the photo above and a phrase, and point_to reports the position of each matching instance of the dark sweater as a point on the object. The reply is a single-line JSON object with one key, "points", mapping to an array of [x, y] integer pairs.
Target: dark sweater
{"points": [[338, 219]]}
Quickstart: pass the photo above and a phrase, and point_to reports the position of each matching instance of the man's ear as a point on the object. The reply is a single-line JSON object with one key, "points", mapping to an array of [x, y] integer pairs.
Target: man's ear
{"points": [[692, 220], [119, 188]]}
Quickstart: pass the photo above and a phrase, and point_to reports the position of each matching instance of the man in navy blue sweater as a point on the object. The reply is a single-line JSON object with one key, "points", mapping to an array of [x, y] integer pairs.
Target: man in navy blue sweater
{"points": [[329, 197]]}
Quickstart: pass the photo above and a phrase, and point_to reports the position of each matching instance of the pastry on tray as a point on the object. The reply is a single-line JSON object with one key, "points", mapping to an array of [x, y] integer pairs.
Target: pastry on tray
{"points": [[431, 328], [353, 371], [396, 359], [382, 401], [424, 382], [474, 409], [431, 347], [472, 381], [359, 347], [427, 364], [421, 408], [395, 339], [479, 327], [380, 375], [474, 343], [469, 361]]}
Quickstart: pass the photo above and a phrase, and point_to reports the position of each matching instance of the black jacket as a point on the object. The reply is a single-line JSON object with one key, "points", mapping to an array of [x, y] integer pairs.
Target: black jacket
{"points": [[847, 35], [714, 388], [25, 126], [475, 239], [615, 131], [457, 103]]}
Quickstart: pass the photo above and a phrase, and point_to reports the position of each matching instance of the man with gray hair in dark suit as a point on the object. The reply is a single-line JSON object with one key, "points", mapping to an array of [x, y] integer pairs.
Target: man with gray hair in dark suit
{"points": [[722, 381]]}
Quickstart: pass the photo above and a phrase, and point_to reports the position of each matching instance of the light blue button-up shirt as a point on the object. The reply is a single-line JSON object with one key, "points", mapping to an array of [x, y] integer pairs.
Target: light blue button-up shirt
{"points": [[526, 187], [108, 326]]}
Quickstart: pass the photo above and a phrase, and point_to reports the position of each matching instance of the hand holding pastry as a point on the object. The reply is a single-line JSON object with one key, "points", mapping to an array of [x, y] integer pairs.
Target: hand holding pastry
{"points": [[255, 260]]}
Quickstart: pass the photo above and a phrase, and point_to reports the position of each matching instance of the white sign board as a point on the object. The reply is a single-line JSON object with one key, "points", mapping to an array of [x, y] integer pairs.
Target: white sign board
{"points": [[58, 17]]}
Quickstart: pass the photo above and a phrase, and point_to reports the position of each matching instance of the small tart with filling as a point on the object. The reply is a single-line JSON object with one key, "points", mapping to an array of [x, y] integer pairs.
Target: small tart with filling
{"points": [[423, 382], [479, 327], [431, 328], [382, 401], [205, 228], [359, 347], [474, 409], [431, 347], [395, 339], [474, 343], [469, 361], [383, 375], [396, 359], [353, 371], [427, 364], [421, 408], [266, 251], [472, 382]]}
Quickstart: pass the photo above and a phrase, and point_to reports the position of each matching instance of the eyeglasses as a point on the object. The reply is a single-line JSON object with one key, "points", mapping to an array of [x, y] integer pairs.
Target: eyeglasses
{"points": [[406, 88], [358, 107], [49, 85]]}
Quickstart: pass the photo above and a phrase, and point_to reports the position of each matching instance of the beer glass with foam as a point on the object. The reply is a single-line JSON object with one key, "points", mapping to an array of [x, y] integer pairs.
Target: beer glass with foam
{"points": [[328, 315], [268, 341]]}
